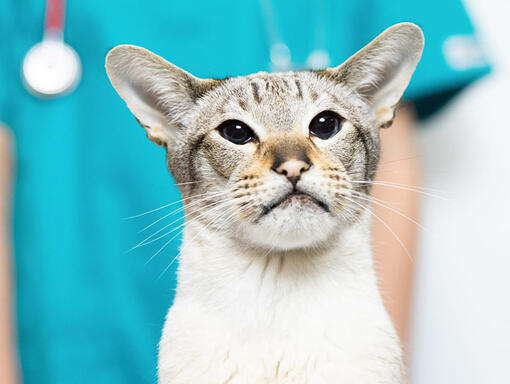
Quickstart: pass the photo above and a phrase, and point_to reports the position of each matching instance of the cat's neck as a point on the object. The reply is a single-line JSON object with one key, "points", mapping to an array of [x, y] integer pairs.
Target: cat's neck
{"points": [[223, 275]]}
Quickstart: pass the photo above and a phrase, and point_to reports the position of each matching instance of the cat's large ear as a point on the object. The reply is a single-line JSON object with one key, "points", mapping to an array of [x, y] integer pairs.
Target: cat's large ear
{"points": [[158, 93], [381, 71]]}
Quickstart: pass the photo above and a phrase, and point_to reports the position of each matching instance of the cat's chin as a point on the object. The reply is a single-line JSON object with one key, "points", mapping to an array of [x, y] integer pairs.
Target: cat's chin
{"points": [[292, 226]]}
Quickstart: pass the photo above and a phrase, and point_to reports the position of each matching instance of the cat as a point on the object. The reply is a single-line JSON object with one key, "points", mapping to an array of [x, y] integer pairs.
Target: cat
{"points": [[275, 280]]}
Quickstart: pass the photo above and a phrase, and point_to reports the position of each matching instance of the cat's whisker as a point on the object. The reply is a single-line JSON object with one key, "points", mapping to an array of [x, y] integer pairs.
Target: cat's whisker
{"points": [[169, 241], [417, 187], [169, 264], [348, 190], [383, 223], [397, 160], [146, 241], [217, 218], [152, 210], [189, 182], [159, 251], [371, 197], [166, 205], [226, 220], [373, 201], [401, 186], [191, 241], [161, 218], [183, 208], [231, 214]]}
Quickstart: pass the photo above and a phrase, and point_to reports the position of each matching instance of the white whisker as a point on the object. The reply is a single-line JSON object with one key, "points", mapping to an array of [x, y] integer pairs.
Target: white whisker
{"points": [[372, 200], [383, 223], [191, 241], [401, 186], [189, 182], [182, 208], [168, 205], [220, 204]]}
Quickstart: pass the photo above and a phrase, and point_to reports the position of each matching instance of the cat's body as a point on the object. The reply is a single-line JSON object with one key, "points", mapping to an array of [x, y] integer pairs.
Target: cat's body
{"points": [[275, 281], [307, 317]]}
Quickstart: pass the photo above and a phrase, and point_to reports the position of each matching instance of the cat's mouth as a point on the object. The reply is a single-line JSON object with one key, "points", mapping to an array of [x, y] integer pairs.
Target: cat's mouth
{"points": [[293, 196]]}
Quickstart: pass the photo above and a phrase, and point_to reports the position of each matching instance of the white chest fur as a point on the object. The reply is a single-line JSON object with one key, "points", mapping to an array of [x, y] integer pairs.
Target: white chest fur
{"points": [[241, 318]]}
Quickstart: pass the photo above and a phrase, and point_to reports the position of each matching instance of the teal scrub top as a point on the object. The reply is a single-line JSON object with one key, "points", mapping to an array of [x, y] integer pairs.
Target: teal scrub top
{"points": [[89, 311]]}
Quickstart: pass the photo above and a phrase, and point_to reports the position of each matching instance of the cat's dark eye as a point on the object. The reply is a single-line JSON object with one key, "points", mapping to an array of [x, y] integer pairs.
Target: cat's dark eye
{"points": [[236, 131], [325, 125]]}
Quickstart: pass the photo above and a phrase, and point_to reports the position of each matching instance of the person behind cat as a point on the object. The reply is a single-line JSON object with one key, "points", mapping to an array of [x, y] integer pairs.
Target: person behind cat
{"points": [[85, 311]]}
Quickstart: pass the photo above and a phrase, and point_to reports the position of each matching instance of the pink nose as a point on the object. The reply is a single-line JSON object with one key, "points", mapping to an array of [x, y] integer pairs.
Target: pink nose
{"points": [[293, 169]]}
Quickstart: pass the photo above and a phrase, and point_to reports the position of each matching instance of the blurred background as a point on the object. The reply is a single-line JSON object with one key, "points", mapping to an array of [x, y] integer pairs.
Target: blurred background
{"points": [[81, 186], [461, 331]]}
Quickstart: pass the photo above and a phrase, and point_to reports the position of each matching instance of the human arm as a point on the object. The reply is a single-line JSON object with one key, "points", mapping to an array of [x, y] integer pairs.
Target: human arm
{"points": [[8, 356], [394, 264]]}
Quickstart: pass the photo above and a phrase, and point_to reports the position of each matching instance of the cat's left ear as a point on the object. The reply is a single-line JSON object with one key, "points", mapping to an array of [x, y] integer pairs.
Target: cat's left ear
{"points": [[157, 92], [381, 71]]}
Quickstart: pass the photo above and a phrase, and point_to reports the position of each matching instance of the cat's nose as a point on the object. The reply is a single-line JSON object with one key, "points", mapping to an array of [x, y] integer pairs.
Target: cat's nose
{"points": [[292, 169]]}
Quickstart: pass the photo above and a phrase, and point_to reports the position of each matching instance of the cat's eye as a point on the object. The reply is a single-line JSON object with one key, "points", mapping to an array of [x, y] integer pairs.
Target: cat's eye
{"points": [[325, 125], [236, 131]]}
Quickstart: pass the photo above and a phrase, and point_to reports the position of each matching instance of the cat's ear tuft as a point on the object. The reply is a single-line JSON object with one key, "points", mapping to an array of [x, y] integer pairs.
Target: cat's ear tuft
{"points": [[381, 71], [158, 93]]}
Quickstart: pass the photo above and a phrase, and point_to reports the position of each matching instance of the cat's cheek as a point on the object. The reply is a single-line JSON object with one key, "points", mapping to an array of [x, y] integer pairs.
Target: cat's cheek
{"points": [[224, 157]]}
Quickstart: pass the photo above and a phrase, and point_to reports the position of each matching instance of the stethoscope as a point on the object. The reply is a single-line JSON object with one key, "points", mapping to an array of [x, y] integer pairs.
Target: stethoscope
{"points": [[280, 55], [51, 67]]}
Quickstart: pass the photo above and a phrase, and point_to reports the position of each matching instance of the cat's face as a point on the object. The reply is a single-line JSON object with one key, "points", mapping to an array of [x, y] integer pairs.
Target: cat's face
{"points": [[285, 148], [274, 160]]}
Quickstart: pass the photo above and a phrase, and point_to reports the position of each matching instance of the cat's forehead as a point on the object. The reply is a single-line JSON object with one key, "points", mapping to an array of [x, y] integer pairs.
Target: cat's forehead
{"points": [[278, 102], [267, 87], [263, 89]]}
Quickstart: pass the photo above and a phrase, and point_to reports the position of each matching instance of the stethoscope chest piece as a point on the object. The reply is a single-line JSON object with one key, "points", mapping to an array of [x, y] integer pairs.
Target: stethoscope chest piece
{"points": [[51, 68]]}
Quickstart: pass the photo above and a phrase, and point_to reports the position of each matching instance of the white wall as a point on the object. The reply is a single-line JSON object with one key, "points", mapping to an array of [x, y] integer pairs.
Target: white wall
{"points": [[462, 317]]}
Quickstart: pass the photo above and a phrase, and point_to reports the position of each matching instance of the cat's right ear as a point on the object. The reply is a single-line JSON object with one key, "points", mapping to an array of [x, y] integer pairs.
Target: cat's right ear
{"points": [[158, 93]]}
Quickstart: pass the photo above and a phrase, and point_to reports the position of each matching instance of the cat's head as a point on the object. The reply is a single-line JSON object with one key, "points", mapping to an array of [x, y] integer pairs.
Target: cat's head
{"points": [[275, 160]]}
